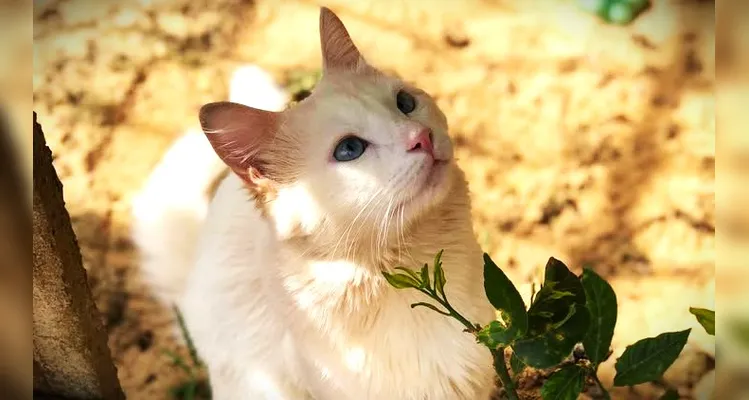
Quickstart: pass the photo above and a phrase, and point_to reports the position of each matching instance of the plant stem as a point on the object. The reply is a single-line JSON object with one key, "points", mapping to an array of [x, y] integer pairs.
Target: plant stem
{"points": [[504, 376], [497, 354], [450, 310], [471, 328]]}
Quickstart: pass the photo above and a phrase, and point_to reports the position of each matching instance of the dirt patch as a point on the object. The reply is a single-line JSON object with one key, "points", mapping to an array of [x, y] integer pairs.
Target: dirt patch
{"points": [[591, 143]]}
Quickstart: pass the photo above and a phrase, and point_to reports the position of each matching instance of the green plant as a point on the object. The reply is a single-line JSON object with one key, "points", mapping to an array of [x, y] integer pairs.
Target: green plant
{"points": [[616, 11], [195, 387], [568, 310], [706, 318], [299, 83]]}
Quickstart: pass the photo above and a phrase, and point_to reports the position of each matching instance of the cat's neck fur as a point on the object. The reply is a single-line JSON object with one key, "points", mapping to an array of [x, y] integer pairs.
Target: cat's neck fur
{"points": [[446, 226], [354, 287]]}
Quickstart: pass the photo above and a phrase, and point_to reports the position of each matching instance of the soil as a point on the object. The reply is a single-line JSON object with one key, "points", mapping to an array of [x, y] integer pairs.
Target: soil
{"points": [[588, 142]]}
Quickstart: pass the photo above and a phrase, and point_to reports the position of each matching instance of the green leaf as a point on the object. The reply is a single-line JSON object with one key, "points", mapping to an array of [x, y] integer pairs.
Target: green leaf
{"points": [[401, 281], [185, 391], [516, 364], [552, 347], [670, 395], [564, 384], [649, 358], [188, 339], [557, 318], [706, 318], [503, 295], [602, 306], [409, 272], [425, 277], [178, 361], [439, 275], [495, 334], [430, 306], [557, 295], [570, 313], [561, 289]]}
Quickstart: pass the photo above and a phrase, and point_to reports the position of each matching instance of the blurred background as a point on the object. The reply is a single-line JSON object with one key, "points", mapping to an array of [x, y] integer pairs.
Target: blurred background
{"points": [[587, 141]]}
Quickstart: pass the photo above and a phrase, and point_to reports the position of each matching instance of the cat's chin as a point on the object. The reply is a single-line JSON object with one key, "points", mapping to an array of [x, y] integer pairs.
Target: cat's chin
{"points": [[432, 188]]}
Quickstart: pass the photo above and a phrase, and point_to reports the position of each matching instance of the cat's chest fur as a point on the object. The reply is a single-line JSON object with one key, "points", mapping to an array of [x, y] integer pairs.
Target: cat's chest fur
{"points": [[363, 337]]}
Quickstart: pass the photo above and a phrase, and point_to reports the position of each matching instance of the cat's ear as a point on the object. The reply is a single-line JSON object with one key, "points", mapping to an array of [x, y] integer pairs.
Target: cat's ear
{"points": [[238, 134], [338, 50]]}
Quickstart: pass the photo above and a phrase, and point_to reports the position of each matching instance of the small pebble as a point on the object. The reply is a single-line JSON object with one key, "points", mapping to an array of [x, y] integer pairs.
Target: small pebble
{"points": [[145, 340]]}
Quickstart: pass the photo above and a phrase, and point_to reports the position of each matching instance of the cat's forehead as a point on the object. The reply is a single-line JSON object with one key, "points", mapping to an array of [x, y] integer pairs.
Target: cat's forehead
{"points": [[357, 84], [347, 93]]}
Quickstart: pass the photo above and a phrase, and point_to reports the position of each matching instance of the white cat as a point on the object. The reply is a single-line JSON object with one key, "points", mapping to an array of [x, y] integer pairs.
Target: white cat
{"points": [[280, 277]]}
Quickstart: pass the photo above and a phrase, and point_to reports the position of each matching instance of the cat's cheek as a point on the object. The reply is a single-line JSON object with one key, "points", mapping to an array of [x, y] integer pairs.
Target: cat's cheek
{"points": [[443, 148]]}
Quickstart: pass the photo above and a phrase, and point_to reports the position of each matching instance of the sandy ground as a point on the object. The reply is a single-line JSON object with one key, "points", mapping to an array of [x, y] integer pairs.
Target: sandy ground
{"points": [[591, 143]]}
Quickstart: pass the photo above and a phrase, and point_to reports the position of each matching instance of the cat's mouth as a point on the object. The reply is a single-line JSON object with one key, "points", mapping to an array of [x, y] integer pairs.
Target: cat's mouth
{"points": [[430, 185], [435, 174]]}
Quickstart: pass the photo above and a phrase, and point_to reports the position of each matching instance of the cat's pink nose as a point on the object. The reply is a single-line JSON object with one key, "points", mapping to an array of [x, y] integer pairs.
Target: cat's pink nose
{"points": [[421, 140]]}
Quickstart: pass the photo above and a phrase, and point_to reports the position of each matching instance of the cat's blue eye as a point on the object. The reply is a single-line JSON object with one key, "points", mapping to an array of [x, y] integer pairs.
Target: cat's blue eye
{"points": [[405, 101], [350, 148]]}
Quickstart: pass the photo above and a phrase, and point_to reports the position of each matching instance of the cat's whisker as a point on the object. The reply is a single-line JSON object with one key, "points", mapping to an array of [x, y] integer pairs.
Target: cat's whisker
{"points": [[347, 231], [345, 234], [382, 226], [372, 244], [402, 235]]}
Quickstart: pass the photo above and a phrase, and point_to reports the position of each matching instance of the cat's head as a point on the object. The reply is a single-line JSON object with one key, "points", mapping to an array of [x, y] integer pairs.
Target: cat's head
{"points": [[364, 154]]}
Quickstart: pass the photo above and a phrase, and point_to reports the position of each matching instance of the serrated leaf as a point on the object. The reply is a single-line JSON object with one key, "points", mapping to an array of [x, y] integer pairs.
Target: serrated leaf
{"points": [[602, 305], [670, 395], [564, 384], [649, 358], [401, 281], [439, 275], [503, 296], [516, 364], [495, 334], [553, 346], [706, 318]]}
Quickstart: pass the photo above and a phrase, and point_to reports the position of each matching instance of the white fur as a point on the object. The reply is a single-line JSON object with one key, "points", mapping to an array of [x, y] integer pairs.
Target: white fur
{"points": [[254, 87], [275, 321], [169, 212], [269, 323], [170, 209]]}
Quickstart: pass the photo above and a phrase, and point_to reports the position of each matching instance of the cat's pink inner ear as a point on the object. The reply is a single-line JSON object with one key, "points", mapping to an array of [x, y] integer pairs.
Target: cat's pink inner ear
{"points": [[338, 50], [238, 133]]}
